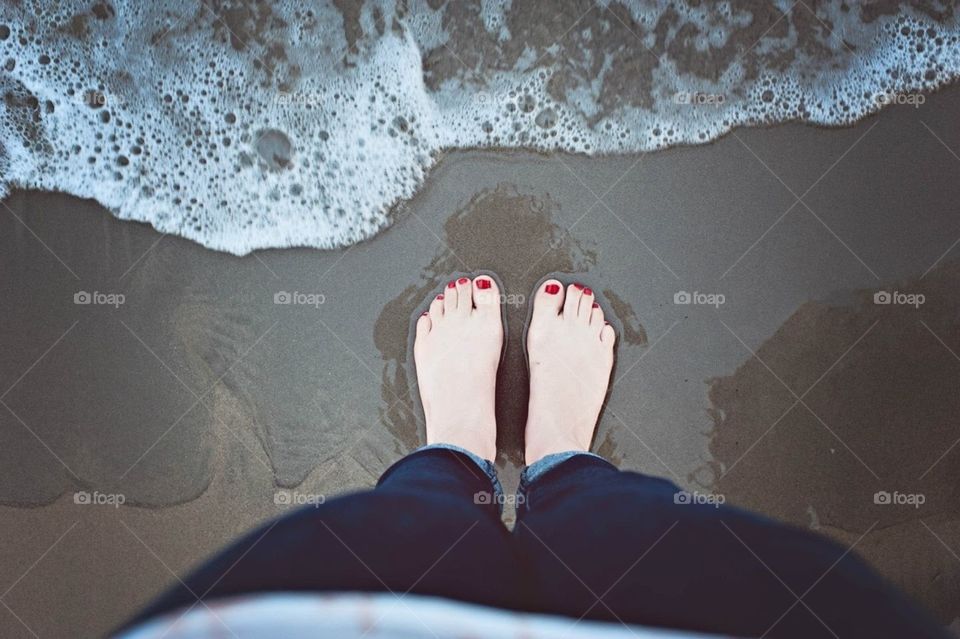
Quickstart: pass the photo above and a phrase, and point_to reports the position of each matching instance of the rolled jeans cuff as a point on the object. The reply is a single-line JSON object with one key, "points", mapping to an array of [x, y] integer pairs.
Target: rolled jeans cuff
{"points": [[486, 466], [541, 467]]}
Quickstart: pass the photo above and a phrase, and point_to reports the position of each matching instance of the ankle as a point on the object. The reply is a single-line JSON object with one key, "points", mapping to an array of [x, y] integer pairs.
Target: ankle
{"points": [[535, 451], [478, 438]]}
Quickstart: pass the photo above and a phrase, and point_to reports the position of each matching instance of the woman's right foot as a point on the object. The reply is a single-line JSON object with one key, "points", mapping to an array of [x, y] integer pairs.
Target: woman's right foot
{"points": [[570, 348], [457, 352]]}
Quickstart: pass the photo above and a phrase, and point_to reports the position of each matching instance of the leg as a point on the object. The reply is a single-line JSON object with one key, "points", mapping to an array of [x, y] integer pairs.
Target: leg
{"points": [[424, 529], [421, 530], [604, 544]]}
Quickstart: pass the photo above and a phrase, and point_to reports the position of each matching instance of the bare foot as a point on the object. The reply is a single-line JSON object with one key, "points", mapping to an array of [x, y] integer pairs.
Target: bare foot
{"points": [[457, 351], [570, 348]]}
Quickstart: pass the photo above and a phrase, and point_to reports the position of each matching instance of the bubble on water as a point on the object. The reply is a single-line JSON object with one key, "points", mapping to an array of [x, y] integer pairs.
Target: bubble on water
{"points": [[312, 127], [275, 148]]}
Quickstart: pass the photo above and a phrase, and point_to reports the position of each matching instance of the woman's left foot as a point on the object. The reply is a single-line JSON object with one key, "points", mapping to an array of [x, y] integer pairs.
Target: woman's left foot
{"points": [[457, 351]]}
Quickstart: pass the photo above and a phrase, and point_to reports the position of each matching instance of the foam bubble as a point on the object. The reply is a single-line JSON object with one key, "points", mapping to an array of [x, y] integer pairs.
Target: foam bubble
{"points": [[257, 126]]}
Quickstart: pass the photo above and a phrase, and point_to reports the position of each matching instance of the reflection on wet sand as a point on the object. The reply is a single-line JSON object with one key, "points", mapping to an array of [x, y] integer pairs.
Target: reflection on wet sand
{"points": [[847, 420]]}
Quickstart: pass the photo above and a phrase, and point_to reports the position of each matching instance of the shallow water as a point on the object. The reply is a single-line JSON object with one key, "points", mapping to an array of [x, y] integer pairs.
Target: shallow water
{"points": [[278, 124], [306, 398]]}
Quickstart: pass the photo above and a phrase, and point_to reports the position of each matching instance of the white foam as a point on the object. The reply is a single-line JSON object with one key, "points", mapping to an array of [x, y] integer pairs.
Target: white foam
{"points": [[280, 131]]}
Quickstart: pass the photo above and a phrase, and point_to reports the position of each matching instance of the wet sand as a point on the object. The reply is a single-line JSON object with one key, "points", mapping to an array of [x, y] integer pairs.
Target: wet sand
{"points": [[199, 398]]}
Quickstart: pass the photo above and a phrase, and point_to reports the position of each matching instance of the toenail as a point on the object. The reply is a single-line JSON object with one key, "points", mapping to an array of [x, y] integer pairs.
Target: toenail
{"points": [[595, 305], [424, 314], [462, 280], [578, 286], [587, 291], [483, 284], [552, 289], [451, 284], [440, 296]]}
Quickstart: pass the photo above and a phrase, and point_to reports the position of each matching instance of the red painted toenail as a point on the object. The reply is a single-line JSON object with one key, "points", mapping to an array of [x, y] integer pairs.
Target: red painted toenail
{"points": [[578, 286], [483, 284], [425, 313], [462, 280], [451, 284], [440, 296], [552, 289], [595, 305], [587, 291]]}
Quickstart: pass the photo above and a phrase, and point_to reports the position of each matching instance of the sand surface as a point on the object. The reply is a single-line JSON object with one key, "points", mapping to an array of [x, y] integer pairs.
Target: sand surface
{"points": [[199, 398]]}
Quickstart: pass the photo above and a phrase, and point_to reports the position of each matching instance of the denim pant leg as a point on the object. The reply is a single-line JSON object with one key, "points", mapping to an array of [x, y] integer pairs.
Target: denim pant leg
{"points": [[422, 529], [606, 544]]}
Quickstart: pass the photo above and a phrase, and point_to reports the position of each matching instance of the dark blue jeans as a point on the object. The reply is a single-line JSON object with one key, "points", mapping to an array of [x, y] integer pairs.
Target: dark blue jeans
{"points": [[590, 541]]}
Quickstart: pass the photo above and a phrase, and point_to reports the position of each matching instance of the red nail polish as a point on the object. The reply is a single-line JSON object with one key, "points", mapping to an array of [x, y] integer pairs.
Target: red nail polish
{"points": [[424, 313], [483, 284], [462, 280], [595, 305], [552, 289], [440, 296], [451, 284], [587, 291], [578, 286]]}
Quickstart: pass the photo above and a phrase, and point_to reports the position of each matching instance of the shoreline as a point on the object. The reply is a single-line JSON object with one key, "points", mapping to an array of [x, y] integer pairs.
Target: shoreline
{"points": [[315, 398]]}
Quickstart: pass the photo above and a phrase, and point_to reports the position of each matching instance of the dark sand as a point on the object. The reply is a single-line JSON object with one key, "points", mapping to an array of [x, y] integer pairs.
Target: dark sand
{"points": [[199, 397]]}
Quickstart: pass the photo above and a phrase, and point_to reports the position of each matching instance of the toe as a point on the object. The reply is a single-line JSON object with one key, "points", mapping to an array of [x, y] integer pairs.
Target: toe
{"points": [[548, 299], [572, 301], [486, 294], [585, 308], [436, 309], [450, 298], [608, 335], [423, 325], [596, 316], [464, 296]]}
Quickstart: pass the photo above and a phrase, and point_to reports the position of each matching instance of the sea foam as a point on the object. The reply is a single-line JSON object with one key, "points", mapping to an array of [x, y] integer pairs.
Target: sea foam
{"points": [[245, 126]]}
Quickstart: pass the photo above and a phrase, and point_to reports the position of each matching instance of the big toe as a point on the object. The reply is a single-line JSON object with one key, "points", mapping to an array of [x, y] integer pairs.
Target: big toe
{"points": [[548, 300], [486, 294]]}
